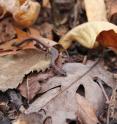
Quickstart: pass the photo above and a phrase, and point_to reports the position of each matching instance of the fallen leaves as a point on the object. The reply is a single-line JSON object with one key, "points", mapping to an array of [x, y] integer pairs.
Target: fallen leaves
{"points": [[32, 85], [58, 100], [26, 58], [14, 67]]}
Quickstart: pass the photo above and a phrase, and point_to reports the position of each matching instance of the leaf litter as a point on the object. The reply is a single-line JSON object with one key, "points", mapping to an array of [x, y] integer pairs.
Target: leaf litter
{"points": [[35, 40]]}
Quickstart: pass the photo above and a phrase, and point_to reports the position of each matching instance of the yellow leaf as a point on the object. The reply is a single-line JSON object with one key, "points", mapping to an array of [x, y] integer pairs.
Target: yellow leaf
{"points": [[86, 34]]}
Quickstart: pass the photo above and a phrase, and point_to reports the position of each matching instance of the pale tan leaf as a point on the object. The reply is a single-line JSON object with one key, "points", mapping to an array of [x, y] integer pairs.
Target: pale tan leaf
{"points": [[13, 68], [86, 112], [86, 34], [9, 6], [95, 10]]}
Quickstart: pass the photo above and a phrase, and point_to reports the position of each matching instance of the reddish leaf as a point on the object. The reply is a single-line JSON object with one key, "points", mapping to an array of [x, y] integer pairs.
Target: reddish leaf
{"points": [[108, 39]]}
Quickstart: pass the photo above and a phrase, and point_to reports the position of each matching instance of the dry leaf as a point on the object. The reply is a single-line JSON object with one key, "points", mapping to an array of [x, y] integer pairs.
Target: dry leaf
{"points": [[24, 13], [7, 30], [29, 89], [108, 39], [13, 68], [45, 3], [112, 10], [86, 34], [27, 14], [34, 85], [86, 112], [59, 105], [9, 6], [32, 118], [45, 30], [95, 10], [8, 48]]}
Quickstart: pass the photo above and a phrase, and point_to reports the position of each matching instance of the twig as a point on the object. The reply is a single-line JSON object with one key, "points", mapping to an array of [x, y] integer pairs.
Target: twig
{"points": [[103, 90], [74, 82], [27, 87], [53, 51]]}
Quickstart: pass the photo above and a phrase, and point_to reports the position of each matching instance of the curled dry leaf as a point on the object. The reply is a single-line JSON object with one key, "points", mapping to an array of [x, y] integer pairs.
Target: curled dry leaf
{"points": [[86, 34], [25, 12]]}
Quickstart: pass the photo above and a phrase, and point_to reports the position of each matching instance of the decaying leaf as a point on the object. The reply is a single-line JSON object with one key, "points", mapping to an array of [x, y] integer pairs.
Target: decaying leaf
{"points": [[11, 48], [8, 48], [31, 85], [7, 31], [13, 68], [96, 10], [86, 34], [58, 101], [29, 89]]}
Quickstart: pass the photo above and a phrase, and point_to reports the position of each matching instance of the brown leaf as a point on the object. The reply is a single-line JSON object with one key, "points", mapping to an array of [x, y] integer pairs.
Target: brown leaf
{"points": [[13, 68], [7, 31], [21, 1], [45, 30], [29, 89], [108, 39], [45, 3], [112, 10], [86, 112], [32, 118], [31, 86], [8, 48]]}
